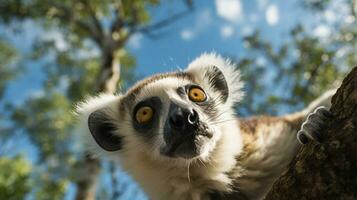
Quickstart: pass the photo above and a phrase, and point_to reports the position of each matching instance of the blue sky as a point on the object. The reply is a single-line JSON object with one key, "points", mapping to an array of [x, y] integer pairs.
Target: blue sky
{"points": [[217, 26], [214, 26]]}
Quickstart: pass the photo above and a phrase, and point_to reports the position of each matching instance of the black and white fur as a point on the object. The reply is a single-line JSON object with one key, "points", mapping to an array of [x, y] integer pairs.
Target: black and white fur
{"points": [[226, 157]]}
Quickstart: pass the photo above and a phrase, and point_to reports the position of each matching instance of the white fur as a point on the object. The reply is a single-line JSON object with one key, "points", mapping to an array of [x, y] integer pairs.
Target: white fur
{"points": [[85, 108]]}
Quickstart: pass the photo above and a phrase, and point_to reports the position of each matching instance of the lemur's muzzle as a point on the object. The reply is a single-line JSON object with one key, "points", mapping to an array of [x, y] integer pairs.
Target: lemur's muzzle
{"points": [[180, 131], [181, 119]]}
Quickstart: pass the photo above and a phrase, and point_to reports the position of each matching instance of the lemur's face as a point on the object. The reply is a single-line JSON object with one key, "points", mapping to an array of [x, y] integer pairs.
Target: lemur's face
{"points": [[176, 115]]}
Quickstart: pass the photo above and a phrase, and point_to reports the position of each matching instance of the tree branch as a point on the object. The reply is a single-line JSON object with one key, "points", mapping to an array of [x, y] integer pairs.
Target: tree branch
{"points": [[119, 13], [97, 29], [67, 15], [149, 29], [327, 170]]}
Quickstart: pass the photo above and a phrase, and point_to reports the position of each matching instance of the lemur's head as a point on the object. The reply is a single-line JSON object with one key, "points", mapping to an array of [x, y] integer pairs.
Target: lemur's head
{"points": [[172, 116]]}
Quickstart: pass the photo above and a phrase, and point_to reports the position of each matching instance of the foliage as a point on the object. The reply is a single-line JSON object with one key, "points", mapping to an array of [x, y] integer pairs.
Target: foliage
{"points": [[14, 178], [303, 68], [8, 71]]}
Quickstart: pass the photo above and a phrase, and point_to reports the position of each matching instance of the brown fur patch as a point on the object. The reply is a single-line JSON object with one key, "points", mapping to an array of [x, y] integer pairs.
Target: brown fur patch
{"points": [[250, 126]]}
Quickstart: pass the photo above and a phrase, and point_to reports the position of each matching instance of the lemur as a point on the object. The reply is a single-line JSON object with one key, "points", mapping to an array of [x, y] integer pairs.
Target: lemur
{"points": [[178, 136]]}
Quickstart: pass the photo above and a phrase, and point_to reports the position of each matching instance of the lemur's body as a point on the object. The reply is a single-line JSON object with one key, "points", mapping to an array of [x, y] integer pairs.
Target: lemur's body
{"points": [[178, 145]]}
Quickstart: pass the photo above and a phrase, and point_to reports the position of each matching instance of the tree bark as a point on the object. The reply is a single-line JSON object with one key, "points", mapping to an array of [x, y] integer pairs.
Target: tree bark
{"points": [[327, 170], [89, 167]]}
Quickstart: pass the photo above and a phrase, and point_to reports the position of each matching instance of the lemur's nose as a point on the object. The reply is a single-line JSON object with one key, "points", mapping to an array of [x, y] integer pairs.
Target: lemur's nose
{"points": [[181, 118]]}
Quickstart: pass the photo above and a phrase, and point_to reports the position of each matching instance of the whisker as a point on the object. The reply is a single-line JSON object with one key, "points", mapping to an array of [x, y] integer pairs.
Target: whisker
{"points": [[188, 172], [201, 161], [223, 115], [220, 115], [223, 112], [220, 122], [209, 162]]}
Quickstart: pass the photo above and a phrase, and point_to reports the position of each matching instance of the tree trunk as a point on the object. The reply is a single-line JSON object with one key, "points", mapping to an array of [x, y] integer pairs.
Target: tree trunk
{"points": [[89, 167], [86, 178], [327, 170]]}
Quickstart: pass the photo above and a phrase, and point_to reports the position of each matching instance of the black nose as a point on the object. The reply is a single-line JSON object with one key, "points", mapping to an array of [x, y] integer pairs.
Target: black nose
{"points": [[182, 118]]}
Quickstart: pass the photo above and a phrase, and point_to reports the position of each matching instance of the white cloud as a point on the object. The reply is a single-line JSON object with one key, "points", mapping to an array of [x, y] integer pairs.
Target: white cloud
{"points": [[203, 20], [57, 38], [36, 94], [261, 61], [322, 31], [342, 51], [135, 41], [272, 15], [230, 10], [187, 34], [227, 31], [89, 51], [330, 16], [349, 19]]}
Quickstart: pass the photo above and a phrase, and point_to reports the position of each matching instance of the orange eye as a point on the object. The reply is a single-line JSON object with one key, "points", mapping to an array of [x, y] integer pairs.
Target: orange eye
{"points": [[196, 94], [144, 114]]}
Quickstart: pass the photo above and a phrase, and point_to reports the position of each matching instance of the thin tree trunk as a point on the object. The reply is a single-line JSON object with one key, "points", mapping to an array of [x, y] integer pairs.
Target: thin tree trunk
{"points": [[90, 166], [110, 74], [327, 170], [87, 178]]}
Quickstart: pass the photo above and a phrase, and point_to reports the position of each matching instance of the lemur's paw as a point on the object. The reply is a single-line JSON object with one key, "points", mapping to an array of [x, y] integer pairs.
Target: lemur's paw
{"points": [[313, 125]]}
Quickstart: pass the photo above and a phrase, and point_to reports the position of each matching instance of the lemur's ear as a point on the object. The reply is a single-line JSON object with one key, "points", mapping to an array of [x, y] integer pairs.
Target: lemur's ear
{"points": [[220, 75], [102, 128], [217, 81], [98, 116]]}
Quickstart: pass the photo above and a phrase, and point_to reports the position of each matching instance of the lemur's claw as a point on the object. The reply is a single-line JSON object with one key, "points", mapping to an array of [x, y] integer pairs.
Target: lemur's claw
{"points": [[313, 125]]}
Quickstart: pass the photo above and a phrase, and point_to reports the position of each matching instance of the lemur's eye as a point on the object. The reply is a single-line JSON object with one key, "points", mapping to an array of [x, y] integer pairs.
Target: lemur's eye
{"points": [[197, 94], [144, 114]]}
